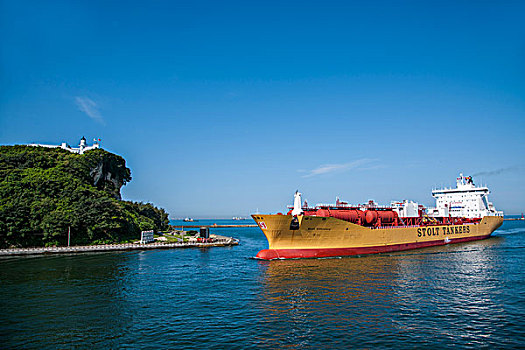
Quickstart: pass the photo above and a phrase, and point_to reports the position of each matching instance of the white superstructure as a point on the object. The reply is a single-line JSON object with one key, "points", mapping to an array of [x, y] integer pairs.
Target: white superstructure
{"points": [[466, 200], [82, 147], [406, 209]]}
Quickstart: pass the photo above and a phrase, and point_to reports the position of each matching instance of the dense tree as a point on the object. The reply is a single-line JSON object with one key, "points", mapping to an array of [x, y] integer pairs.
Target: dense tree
{"points": [[44, 192]]}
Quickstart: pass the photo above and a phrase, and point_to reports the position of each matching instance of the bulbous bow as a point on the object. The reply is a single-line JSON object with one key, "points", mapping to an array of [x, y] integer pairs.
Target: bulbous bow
{"points": [[267, 254]]}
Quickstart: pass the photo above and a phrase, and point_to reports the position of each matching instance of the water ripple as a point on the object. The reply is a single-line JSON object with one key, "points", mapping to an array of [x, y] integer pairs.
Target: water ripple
{"points": [[462, 295]]}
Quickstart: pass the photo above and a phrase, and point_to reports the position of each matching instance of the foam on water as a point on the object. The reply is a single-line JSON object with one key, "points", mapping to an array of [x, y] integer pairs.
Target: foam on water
{"points": [[510, 231]]}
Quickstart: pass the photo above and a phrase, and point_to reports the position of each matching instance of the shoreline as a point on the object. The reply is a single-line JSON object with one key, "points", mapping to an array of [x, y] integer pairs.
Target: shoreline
{"points": [[220, 242]]}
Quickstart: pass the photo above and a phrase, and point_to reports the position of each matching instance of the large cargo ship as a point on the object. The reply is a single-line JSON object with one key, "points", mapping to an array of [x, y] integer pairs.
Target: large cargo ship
{"points": [[327, 230]]}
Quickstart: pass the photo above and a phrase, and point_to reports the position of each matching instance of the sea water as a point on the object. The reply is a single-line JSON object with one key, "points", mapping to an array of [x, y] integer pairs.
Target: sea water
{"points": [[466, 295]]}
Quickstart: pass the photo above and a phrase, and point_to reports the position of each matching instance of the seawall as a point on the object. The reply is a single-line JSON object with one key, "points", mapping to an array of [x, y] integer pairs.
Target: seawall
{"points": [[219, 242]]}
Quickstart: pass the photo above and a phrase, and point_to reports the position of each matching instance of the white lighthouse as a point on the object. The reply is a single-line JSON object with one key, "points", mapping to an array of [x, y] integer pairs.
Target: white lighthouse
{"points": [[82, 147]]}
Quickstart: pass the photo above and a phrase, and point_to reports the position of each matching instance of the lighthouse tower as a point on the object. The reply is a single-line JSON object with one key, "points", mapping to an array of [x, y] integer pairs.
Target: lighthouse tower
{"points": [[82, 145]]}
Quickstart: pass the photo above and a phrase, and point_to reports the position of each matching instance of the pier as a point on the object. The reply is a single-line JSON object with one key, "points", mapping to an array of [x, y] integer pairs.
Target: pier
{"points": [[213, 226], [219, 241]]}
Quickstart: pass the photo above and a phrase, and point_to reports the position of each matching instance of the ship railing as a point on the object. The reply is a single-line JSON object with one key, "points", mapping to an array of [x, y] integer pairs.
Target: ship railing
{"points": [[344, 206], [351, 206], [389, 227]]}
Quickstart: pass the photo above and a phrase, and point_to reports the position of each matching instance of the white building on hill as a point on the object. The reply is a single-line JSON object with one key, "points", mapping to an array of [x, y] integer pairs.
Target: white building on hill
{"points": [[82, 147]]}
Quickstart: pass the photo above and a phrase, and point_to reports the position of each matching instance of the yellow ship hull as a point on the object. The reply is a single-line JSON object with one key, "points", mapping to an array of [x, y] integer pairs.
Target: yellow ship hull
{"points": [[319, 237]]}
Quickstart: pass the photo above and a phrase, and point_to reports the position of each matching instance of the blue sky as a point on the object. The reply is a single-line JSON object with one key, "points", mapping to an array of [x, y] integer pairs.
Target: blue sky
{"points": [[223, 108]]}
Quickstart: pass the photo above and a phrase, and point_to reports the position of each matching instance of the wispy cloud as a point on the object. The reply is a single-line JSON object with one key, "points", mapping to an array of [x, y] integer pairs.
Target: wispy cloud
{"points": [[90, 108], [360, 164]]}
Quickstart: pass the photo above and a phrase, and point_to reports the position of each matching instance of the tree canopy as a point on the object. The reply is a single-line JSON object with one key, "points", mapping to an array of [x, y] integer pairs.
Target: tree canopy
{"points": [[44, 192]]}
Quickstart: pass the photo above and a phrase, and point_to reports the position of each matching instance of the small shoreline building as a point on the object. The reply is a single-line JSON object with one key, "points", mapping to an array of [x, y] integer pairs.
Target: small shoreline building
{"points": [[82, 147]]}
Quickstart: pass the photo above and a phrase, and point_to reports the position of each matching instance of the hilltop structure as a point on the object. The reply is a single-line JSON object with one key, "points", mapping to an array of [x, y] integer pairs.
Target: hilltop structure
{"points": [[82, 147]]}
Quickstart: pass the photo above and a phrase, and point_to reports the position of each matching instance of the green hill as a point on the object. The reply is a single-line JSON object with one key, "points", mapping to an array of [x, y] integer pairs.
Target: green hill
{"points": [[46, 191]]}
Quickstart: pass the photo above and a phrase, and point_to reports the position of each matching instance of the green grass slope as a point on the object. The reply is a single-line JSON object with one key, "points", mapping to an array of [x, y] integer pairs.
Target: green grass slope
{"points": [[45, 191]]}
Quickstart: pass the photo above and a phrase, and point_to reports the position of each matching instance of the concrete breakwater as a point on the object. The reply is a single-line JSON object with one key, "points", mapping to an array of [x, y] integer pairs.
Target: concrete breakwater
{"points": [[214, 226], [219, 241]]}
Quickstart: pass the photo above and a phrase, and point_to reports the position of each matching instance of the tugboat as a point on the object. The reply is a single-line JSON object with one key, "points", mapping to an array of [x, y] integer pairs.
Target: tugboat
{"points": [[461, 214]]}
